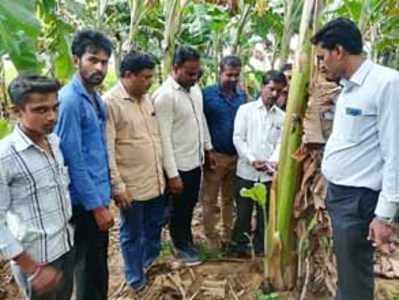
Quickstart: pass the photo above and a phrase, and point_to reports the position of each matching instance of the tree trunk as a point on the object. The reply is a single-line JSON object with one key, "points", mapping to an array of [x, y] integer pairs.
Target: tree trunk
{"points": [[364, 16], [173, 16], [246, 13], [282, 259], [287, 34], [137, 9]]}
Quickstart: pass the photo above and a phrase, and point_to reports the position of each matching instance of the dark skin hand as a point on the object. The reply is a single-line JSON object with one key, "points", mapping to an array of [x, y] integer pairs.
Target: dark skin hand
{"points": [[104, 218], [175, 185], [210, 160], [382, 236], [45, 278], [122, 200]]}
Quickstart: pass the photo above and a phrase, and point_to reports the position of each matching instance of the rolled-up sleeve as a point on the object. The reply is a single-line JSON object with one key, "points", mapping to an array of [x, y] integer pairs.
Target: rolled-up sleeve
{"points": [[9, 245], [163, 105], [240, 135], [70, 132], [388, 128]]}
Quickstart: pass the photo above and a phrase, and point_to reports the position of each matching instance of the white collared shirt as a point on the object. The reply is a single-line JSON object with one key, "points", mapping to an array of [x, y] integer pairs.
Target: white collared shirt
{"points": [[363, 149], [35, 206], [184, 132], [257, 135]]}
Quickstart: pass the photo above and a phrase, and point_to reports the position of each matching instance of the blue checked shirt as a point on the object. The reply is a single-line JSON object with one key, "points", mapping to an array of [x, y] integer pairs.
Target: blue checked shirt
{"points": [[35, 207]]}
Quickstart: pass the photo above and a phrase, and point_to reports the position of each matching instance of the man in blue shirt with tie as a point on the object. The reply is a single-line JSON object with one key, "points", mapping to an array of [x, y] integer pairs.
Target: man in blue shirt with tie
{"points": [[221, 102], [81, 128]]}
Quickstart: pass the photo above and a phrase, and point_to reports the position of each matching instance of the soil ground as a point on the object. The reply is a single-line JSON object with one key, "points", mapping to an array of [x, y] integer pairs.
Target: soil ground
{"points": [[219, 277]]}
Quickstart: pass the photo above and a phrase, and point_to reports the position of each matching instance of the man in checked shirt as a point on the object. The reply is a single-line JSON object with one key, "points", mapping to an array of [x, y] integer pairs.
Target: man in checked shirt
{"points": [[35, 206]]}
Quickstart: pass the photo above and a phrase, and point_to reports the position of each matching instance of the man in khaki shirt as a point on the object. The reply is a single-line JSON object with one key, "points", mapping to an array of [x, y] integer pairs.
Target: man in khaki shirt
{"points": [[135, 155]]}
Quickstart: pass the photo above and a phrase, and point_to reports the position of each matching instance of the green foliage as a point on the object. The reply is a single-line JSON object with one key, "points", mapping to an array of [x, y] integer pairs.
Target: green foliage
{"points": [[260, 296], [256, 193], [56, 33], [19, 30], [5, 128]]}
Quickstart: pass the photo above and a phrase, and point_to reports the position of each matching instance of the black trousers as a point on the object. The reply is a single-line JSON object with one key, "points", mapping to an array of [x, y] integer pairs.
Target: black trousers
{"points": [[182, 207], [242, 226], [91, 268], [351, 210]]}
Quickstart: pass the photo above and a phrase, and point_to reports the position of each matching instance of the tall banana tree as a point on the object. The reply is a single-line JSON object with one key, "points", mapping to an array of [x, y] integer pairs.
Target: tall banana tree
{"points": [[173, 15], [292, 15], [138, 9], [282, 258]]}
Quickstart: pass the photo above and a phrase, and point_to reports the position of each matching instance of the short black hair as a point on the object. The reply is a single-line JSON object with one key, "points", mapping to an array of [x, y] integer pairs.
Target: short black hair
{"points": [[23, 85], [341, 31], [136, 62], [92, 41], [274, 75], [184, 54], [232, 61], [286, 67]]}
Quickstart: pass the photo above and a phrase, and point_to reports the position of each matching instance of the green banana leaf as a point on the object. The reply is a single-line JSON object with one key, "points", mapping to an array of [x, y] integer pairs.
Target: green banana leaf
{"points": [[19, 30], [256, 193], [5, 128]]}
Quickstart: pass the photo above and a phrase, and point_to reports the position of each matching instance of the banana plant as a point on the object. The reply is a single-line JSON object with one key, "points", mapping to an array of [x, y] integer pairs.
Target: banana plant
{"points": [[19, 31], [173, 16], [55, 39], [282, 246], [5, 128]]}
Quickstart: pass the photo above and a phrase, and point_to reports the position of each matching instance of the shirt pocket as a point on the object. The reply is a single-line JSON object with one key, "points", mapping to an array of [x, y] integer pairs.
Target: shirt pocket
{"points": [[356, 122], [275, 133], [48, 190]]}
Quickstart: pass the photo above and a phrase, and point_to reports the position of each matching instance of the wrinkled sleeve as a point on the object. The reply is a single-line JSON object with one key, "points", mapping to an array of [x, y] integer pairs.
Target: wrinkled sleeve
{"points": [[163, 104], [9, 245], [69, 129], [207, 136], [240, 135], [388, 128]]}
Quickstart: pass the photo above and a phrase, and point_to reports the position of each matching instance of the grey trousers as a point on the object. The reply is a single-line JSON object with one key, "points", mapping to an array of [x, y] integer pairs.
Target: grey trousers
{"points": [[64, 290], [351, 210]]}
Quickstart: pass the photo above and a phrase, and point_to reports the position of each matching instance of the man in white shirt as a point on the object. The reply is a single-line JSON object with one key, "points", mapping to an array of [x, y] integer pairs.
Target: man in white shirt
{"points": [[185, 141], [361, 156], [257, 131]]}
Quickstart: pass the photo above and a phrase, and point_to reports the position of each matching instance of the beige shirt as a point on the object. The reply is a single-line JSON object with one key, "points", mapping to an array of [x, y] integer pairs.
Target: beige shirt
{"points": [[184, 131], [134, 145]]}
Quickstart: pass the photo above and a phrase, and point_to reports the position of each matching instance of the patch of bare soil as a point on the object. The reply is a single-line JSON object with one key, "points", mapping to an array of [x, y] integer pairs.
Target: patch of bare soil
{"points": [[218, 278]]}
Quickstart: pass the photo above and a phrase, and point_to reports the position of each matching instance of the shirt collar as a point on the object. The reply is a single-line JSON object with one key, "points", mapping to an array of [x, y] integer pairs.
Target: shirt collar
{"points": [[174, 84], [260, 105], [122, 92], [360, 74], [80, 88], [237, 90], [23, 142]]}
